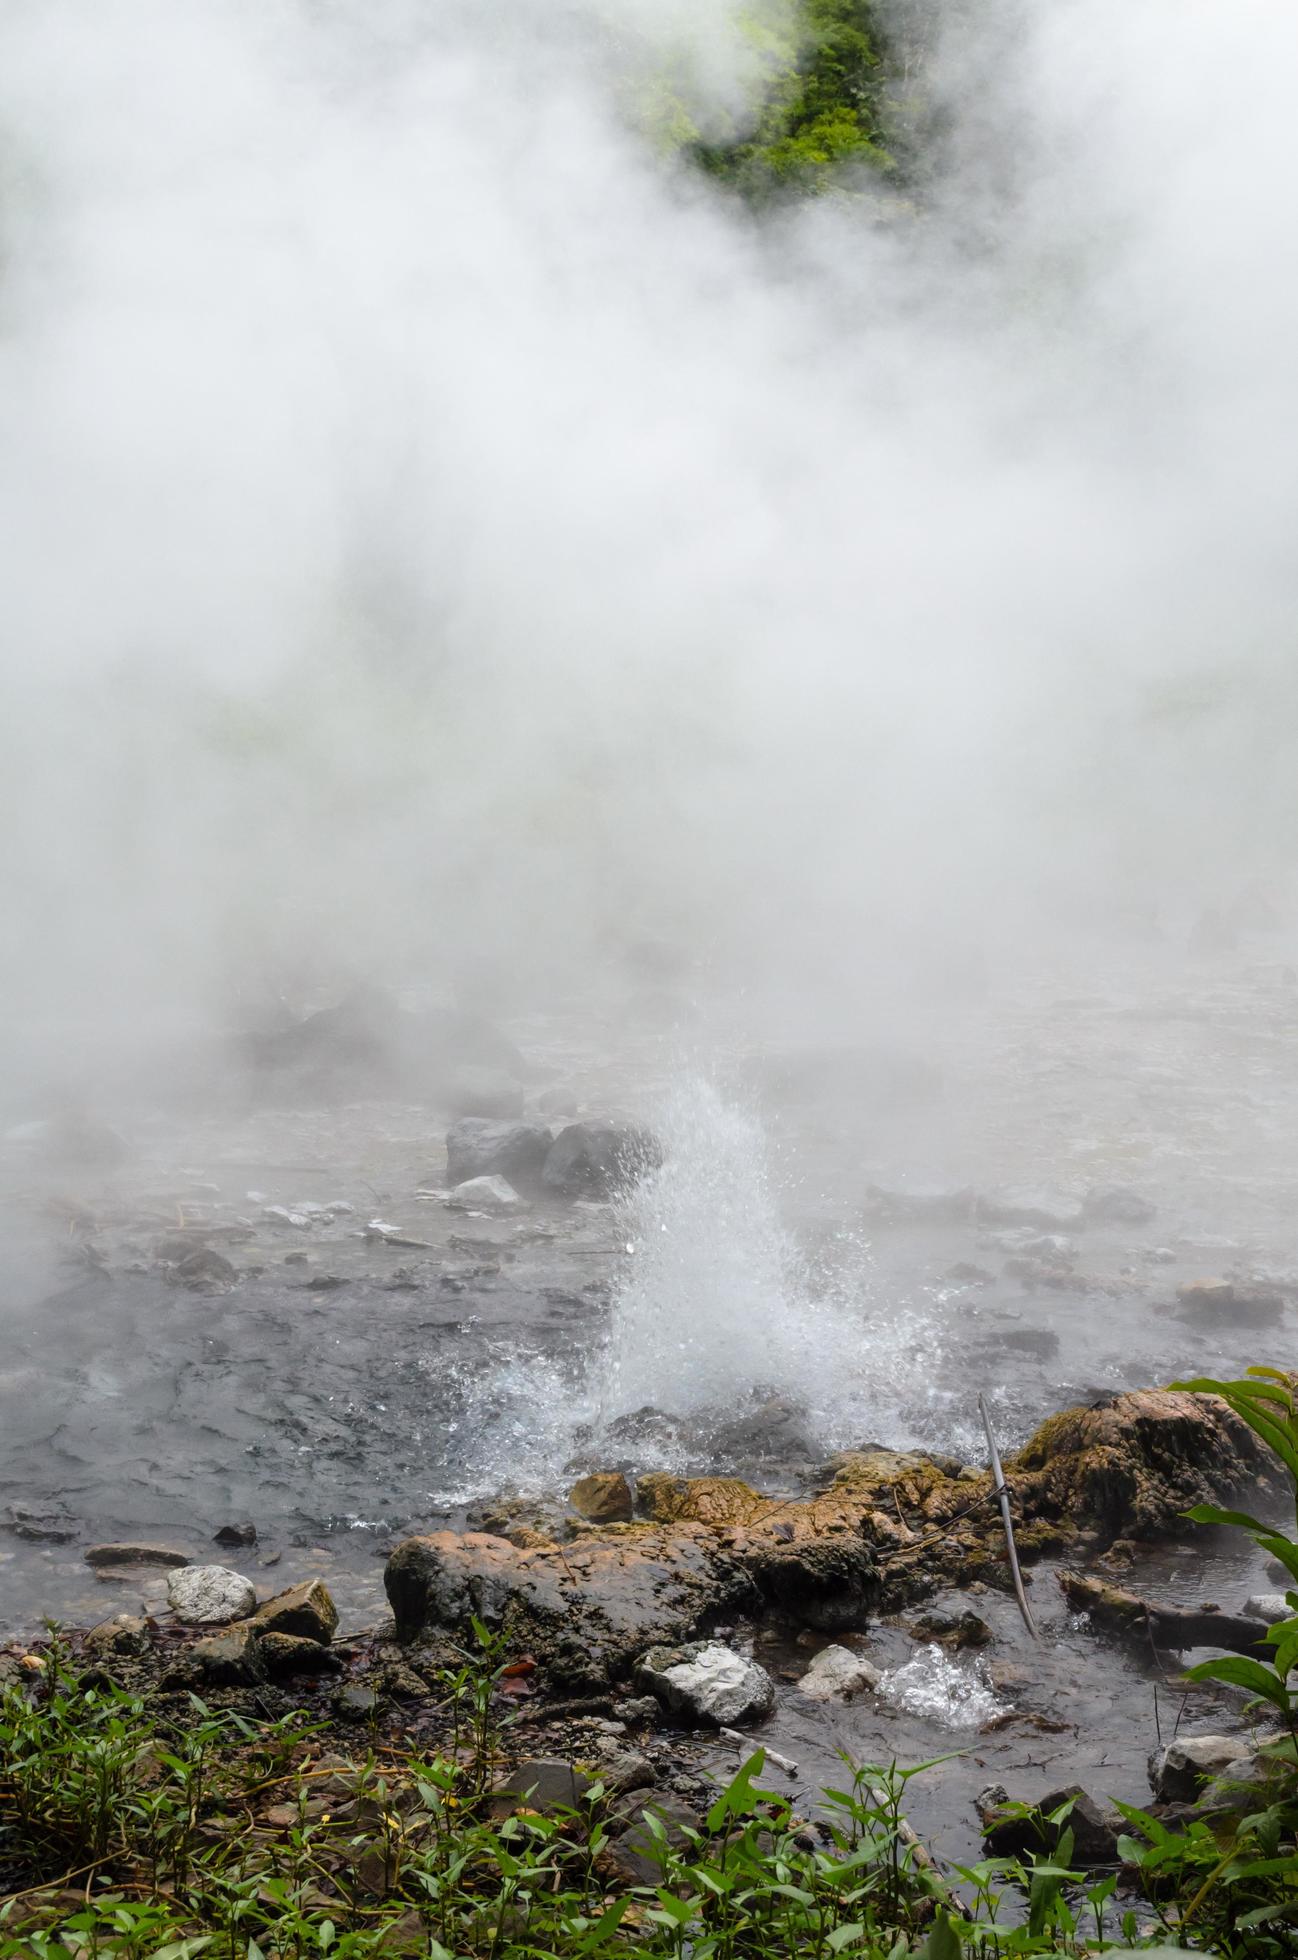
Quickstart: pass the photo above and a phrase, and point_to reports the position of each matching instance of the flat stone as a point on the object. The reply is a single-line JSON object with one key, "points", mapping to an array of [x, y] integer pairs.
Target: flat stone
{"points": [[837, 1674], [707, 1682], [604, 1498], [131, 1553], [357, 1703], [210, 1595], [306, 1609], [490, 1194]]}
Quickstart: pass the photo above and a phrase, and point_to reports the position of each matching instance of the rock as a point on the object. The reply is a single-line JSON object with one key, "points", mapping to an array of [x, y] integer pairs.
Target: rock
{"points": [[596, 1159], [236, 1534], [305, 1609], [604, 1498], [291, 1653], [585, 1611], [484, 1092], [627, 1770], [131, 1553], [1045, 1210], [635, 1856], [559, 1099], [957, 1630], [1136, 1463], [124, 1634], [1012, 1834], [920, 1205], [224, 1660], [706, 1682], [775, 1431], [1116, 1204], [490, 1194], [1270, 1607], [1180, 1772], [837, 1674], [210, 1595], [357, 1703], [639, 1709], [1207, 1301], [477, 1147], [540, 1783], [201, 1268]]}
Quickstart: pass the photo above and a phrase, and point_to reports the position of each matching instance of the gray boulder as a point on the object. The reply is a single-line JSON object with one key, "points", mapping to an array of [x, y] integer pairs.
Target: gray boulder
{"points": [[596, 1159], [478, 1147], [707, 1683], [1268, 1606]]}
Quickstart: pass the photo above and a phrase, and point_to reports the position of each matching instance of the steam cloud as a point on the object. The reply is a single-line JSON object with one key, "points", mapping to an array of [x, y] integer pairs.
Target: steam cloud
{"points": [[437, 528]]}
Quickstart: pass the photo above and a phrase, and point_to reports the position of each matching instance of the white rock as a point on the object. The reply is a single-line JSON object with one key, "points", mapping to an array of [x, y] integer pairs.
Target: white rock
{"points": [[836, 1674], [1269, 1607], [210, 1595], [706, 1681], [485, 1194], [1178, 1773]]}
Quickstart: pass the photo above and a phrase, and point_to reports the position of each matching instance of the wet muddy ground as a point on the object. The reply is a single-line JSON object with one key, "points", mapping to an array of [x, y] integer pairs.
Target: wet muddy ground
{"points": [[342, 1387]]}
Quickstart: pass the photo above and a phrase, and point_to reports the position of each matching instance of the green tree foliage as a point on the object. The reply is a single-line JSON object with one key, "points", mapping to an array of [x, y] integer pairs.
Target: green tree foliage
{"points": [[822, 117]]}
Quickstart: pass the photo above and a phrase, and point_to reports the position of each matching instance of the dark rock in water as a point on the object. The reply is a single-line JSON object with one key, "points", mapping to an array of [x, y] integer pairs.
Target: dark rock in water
{"points": [[478, 1147], [645, 1425], [1011, 1834], [134, 1554], [541, 1783], [604, 1498], [830, 1585], [201, 1268], [1207, 1301], [956, 1630], [235, 1534], [306, 1609], [1039, 1342], [1117, 1204], [775, 1431], [596, 1159]]}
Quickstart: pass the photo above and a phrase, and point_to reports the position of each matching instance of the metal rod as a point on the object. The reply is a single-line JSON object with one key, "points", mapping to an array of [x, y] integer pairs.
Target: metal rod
{"points": [[1004, 1497]]}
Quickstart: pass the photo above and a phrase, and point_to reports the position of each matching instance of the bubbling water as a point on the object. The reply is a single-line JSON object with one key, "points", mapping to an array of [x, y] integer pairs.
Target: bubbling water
{"points": [[717, 1301]]}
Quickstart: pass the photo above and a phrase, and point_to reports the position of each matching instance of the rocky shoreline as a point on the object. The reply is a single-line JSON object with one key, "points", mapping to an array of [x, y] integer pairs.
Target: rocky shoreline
{"points": [[620, 1645]]}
